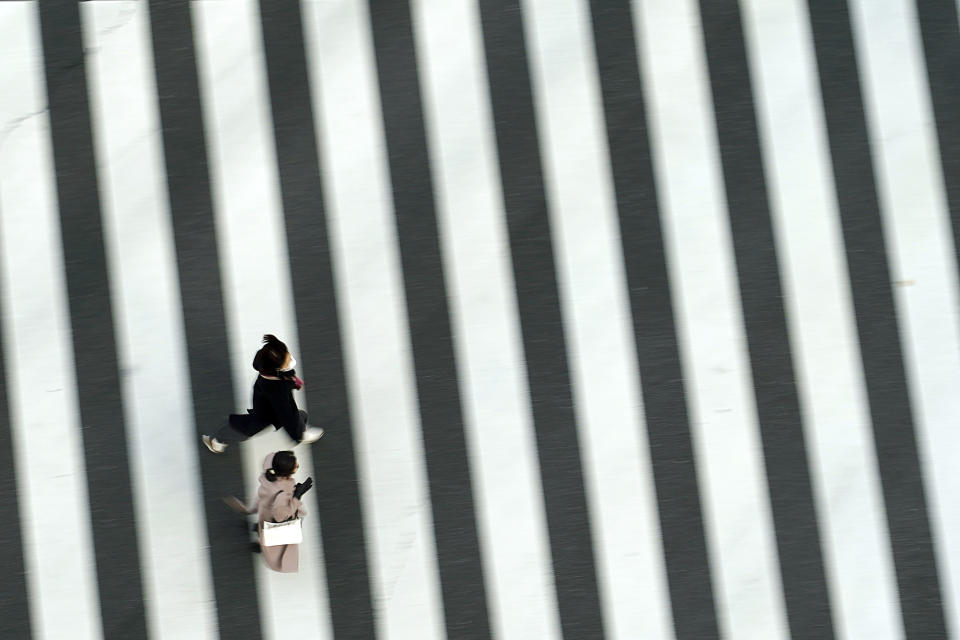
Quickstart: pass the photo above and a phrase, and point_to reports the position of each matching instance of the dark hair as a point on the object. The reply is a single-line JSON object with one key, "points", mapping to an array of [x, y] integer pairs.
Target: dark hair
{"points": [[284, 462], [271, 355]]}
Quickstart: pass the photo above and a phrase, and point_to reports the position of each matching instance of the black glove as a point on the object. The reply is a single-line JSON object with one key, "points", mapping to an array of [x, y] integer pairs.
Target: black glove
{"points": [[302, 487]]}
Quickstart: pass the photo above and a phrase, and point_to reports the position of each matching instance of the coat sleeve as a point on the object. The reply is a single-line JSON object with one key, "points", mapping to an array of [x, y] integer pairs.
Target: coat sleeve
{"points": [[254, 505]]}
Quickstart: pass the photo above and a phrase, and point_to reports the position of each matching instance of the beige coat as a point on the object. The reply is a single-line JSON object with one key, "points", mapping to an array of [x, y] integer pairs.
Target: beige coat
{"points": [[284, 558]]}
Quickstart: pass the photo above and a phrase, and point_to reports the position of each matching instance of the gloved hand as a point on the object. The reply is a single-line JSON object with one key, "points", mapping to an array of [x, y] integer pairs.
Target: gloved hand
{"points": [[302, 487]]}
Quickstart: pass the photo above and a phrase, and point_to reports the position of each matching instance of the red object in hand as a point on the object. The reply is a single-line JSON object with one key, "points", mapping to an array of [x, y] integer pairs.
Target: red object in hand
{"points": [[298, 383]]}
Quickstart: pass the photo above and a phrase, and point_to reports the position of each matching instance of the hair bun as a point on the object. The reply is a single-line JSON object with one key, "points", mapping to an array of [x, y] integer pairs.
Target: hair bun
{"points": [[271, 356]]}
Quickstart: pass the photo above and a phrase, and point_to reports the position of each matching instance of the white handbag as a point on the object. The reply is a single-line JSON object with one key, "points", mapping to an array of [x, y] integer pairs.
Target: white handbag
{"points": [[280, 533]]}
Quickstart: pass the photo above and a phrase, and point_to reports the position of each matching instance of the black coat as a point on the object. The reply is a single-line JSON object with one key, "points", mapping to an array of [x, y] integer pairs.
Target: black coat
{"points": [[273, 404]]}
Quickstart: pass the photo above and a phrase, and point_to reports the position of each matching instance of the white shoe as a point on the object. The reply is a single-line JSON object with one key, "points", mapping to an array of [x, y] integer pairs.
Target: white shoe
{"points": [[213, 444], [311, 434]]}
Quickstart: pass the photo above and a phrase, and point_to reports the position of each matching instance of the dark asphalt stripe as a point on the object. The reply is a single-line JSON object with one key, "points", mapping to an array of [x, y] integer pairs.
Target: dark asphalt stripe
{"points": [[91, 320], [318, 325], [761, 295], [191, 209], [894, 434], [941, 46], [668, 425], [441, 415], [14, 609], [540, 320]]}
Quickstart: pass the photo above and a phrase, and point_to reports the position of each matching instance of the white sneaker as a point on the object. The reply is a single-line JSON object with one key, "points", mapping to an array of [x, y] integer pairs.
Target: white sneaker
{"points": [[213, 444], [311, 434]]}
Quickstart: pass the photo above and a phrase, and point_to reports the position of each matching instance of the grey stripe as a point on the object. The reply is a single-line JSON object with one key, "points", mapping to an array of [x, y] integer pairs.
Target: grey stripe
{"points": [[668, 425], [541, 324], [882, 354], [941, 46], [441, 415], [318, 325], [91, 321], [191, 212], [761, 294]]}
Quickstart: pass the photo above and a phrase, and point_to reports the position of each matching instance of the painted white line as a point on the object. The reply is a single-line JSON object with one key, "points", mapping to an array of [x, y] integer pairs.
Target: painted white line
{"points": [[820, 315], [48, 451], [493, 381], [145, 291], [922, 259], [258, 297], [719, 387], [619, 479], [821, 319], [376, 342]]}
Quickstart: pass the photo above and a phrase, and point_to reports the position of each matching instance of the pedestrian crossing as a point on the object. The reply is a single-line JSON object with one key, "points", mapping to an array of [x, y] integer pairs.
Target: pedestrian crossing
{"points": [[624, 319]]}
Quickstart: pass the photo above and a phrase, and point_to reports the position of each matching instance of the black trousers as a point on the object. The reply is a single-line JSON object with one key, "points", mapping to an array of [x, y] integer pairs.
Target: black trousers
{"points": [[240, 426]]}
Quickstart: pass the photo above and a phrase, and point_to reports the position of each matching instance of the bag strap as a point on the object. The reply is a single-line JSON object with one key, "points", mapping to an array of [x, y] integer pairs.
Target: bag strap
{"points": [[273, 499]]}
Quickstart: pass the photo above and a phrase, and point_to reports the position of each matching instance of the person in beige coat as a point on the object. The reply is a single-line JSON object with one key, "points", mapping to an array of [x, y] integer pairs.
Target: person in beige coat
{"points": [[278, 499]]}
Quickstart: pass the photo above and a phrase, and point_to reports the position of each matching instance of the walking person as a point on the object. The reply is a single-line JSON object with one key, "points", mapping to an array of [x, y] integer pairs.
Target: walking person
{"points": [[277, 500], [273, 402]]}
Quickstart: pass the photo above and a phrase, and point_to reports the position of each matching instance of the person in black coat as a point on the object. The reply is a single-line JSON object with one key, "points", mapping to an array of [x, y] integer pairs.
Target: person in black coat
{"points": [[273, 402]]}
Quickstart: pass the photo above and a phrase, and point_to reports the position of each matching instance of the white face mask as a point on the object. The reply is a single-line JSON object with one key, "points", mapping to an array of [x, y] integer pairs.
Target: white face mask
{"points": [[293, 363]]}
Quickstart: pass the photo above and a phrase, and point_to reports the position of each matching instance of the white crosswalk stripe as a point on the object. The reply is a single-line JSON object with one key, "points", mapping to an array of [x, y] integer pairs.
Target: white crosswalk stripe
{"points": [[922, 264], [641, 594], [606, 388], [726, 440], [483, 306], [389, 452], [50, 473], [821, 322], [257, 284], [150, 332]]}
